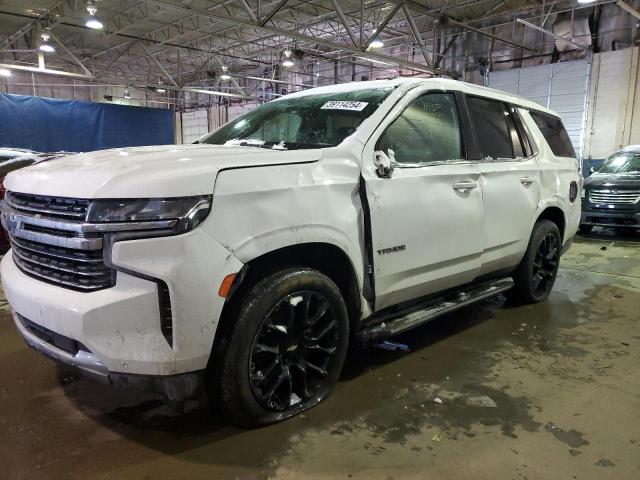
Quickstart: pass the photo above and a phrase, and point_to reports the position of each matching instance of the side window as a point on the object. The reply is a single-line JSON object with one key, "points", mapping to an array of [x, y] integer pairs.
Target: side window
{"points": [[427, 131], [493, 134], [527, 143], [555, 134]]}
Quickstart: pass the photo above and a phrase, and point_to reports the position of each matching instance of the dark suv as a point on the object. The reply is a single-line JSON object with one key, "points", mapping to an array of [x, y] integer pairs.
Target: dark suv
{"points": [[611, 196]]}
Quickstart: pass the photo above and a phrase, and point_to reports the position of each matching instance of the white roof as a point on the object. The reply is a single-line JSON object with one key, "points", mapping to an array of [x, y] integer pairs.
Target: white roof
{"points": [[408, 83]]}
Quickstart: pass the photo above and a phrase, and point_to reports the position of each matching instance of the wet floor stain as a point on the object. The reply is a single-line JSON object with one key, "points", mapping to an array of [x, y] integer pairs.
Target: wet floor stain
{"points": [[573, 438]]}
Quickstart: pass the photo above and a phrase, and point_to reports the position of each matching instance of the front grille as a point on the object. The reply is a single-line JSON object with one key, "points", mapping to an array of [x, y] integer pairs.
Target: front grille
{"points": [[48, 207], [72, 268], [614, 197], [48, 242]]}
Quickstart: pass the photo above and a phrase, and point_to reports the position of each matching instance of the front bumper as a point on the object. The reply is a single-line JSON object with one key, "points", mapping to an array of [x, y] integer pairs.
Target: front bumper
{"points": [[174, 388], [120, 326], [610, 217]]}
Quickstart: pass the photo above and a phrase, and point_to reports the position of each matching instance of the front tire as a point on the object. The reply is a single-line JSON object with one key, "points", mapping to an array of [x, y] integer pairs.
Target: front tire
{"points": [[536, 274], [284, 351]]}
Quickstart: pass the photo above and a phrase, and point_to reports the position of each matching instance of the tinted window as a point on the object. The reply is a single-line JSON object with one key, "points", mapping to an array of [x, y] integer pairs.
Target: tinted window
{"points": [[527, 144], [553, 130], [492, 131], [427, 131]]}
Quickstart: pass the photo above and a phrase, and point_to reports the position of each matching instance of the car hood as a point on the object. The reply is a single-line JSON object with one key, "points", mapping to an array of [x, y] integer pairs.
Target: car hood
{"points": [[156, 171], [598, 180]]}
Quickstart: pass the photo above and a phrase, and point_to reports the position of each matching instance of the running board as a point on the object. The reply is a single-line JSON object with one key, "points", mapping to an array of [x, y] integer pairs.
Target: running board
{"points": [[390, 326]]}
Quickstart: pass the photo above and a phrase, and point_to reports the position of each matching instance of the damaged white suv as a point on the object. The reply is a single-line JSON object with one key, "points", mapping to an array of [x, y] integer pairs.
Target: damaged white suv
{"points": [[246, 264]]}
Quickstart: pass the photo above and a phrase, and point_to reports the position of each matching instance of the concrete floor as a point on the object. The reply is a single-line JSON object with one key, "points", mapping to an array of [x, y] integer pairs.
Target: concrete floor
{"points": [[539, 392]]}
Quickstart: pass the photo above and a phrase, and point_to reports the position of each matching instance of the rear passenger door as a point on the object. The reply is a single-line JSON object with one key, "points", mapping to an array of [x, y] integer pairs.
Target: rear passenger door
{"points": [[510, 180], [426, 217]]}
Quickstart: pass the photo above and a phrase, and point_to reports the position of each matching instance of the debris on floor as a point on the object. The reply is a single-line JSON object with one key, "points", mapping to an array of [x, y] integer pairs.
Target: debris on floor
{"points": [[391, 346], [481, 401]]}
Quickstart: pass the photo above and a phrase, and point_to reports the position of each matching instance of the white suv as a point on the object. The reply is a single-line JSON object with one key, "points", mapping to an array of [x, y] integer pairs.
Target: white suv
{"points": [[246, 264]]}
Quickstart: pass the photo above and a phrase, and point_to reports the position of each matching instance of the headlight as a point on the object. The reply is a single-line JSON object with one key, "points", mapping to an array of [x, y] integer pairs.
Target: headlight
{"points": [[188, 211]]}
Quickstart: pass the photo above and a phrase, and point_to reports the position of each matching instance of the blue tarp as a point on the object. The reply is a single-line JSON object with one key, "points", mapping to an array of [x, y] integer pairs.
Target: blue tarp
{"points": [[50, 125]]}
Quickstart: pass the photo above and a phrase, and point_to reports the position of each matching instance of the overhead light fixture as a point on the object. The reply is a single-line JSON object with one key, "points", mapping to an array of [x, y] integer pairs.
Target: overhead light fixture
{"points": [[45, 45], [161, 90], [225, 75], [126, 93], [287, 62], [377, 43], [5, 72], [93, 22], [586, 1], [373, 60]]}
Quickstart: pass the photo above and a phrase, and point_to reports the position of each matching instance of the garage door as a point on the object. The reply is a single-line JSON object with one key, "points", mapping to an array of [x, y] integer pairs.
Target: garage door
{"points": [[562, 87]]}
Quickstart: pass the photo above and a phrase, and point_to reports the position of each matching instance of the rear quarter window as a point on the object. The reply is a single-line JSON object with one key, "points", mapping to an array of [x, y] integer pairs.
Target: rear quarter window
{"points": [[555, 134]]}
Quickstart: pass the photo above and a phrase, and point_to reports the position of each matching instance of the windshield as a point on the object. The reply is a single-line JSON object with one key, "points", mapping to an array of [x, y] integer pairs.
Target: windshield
{"points": [[312, 121], [622, 162]]}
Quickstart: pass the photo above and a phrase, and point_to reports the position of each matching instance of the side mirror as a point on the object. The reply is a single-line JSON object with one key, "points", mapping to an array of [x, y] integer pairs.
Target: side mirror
{"points": [[384, 163]]}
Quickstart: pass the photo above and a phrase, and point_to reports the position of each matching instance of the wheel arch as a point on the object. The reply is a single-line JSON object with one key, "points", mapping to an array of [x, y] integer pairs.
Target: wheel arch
{"points": [[327, 258], [556, 215]]}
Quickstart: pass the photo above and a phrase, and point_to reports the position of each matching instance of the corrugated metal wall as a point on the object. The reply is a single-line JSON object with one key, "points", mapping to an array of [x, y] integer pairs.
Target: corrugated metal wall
{"points": [[613, 119], [563, 87]]}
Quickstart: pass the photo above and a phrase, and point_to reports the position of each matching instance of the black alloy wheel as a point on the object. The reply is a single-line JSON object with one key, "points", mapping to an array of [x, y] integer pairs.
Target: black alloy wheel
{"points": [[283, 342], [536, 274], [545, 265], [293, 351]]}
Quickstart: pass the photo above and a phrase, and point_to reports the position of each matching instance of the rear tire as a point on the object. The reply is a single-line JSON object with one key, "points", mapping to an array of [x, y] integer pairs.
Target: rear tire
{"points": [[284, 350], [585, 228], [536, 274]]}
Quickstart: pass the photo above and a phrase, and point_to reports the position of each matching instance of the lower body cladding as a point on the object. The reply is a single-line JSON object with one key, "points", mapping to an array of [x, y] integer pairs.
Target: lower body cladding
{"points": [[115, 335], [611, 217]]}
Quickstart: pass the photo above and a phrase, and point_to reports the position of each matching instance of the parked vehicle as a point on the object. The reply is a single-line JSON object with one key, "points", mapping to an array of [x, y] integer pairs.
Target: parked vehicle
{"points": [[14, 159], [248, 263], [612, 194]]}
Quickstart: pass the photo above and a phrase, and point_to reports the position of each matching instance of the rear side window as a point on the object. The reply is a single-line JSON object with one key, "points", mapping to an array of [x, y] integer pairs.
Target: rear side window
{"points": [[555, 134], [493, 133]]}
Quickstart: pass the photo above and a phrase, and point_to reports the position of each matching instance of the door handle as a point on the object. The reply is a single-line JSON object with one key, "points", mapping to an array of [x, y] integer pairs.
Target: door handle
{"points": [[527, 180], [464, 186]]}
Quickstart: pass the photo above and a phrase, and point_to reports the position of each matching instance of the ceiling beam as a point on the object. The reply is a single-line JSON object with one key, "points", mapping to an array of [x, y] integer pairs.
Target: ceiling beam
{"points": [[300, 37]]}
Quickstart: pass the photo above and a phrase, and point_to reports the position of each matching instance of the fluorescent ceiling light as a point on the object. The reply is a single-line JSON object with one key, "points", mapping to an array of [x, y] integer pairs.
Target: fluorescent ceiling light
{"points": [[212, 92], [47, 47], [377, 43], [375, 61], [161, 90], [288, 63], [225, 77], [5, 72], [586, 1]]}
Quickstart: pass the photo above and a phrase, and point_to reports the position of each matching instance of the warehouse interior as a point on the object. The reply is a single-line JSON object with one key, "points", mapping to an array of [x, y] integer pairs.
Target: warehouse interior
{"points": [[493, 390]]}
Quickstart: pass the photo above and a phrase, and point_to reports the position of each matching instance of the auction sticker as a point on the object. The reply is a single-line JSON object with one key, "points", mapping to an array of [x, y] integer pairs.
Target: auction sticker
{"points": [[344, 105]]}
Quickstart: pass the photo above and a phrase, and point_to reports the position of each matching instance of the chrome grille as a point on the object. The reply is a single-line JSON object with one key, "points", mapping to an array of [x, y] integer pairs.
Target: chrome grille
{"points": [[614, 197], [48, 207], [49, 241]]}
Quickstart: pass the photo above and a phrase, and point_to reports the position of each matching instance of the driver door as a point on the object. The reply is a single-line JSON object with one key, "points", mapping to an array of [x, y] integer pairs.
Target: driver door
{"points": [[426, 217]]}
